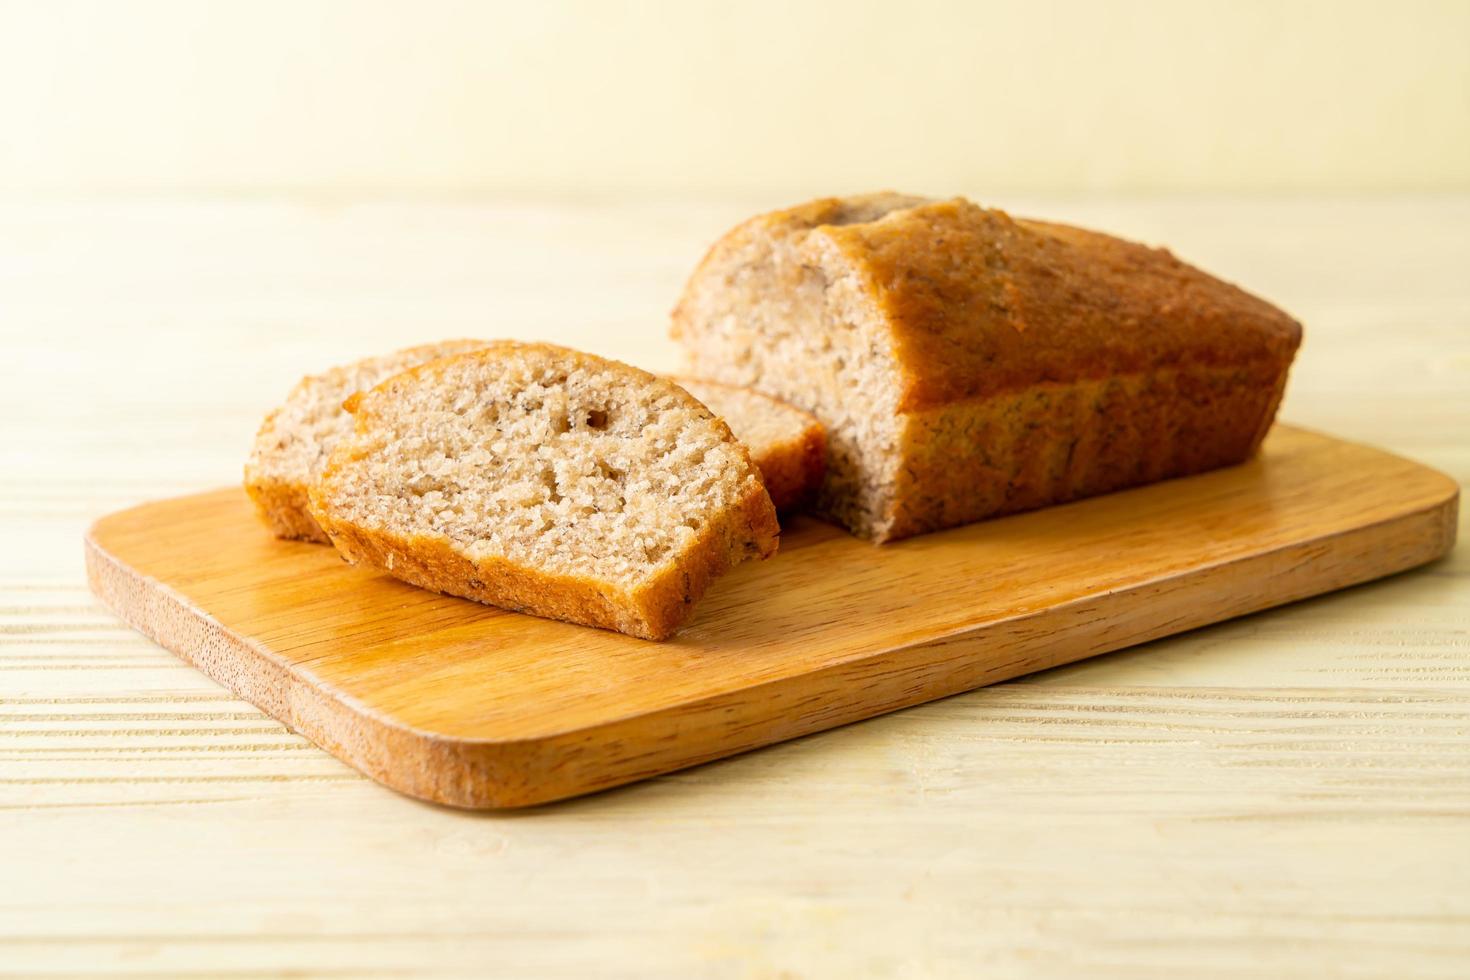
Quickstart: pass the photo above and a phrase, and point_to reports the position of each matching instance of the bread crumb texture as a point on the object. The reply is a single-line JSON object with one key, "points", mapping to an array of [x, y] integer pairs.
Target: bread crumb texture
{"points": [[967, 364], [547, 481], [787, 444], [295, 440]]}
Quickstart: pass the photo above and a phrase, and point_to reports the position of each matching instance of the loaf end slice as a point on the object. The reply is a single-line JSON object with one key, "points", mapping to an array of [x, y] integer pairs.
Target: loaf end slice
{"points": [[295, 440], [546, 481], [787, 444]]}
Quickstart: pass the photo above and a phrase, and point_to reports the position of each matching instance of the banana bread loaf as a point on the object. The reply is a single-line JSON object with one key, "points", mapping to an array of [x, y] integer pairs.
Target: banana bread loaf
{"points": [[967, 364]]}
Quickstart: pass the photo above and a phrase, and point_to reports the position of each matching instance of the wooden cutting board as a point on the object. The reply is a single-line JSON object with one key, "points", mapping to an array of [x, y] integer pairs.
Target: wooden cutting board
{"points": [[459, 703]]}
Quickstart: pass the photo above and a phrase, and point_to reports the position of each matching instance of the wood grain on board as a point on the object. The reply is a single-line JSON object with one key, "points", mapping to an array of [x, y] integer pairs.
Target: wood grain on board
{"points": [[464, 704]]}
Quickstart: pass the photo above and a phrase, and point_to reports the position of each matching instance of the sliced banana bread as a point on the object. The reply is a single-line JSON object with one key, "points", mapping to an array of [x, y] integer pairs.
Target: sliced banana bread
{"points": [[548, 481], [968, 364], [788, 445], [295, 440]]}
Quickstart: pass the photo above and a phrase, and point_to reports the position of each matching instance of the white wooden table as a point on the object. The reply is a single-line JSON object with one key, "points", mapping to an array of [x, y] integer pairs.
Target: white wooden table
{"points": [[1287, 794]]}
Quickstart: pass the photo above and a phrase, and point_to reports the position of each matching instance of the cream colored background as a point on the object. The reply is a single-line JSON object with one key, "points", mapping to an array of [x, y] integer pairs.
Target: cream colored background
{"points": [[588, 99]]}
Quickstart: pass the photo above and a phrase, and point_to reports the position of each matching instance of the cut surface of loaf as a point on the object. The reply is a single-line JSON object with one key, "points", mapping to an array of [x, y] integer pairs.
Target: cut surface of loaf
{"points": [[787, 444], [547, 481], [967, 364], [295, 440]]}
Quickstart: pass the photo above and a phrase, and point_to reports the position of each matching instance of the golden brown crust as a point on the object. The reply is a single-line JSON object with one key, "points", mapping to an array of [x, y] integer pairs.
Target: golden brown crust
{"points": [[1012, 346], [748, 530], [1052, 443], [653, 611], [793, 470], [1173, 371], [981, 304], [281, 503], [284, 507]]}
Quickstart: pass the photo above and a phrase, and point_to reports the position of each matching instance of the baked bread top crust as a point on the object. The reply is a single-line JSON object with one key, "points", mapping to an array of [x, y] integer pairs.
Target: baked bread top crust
{"points": [[979, 303]]}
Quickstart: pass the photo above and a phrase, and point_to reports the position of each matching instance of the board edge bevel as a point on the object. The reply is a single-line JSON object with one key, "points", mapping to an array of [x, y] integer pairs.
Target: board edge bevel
{"points": [[513, 773]]}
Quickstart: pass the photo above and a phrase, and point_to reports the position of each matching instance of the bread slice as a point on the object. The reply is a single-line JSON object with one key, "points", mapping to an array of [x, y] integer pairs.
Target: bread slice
{"points": [[967, 364], [295, 440], [788, 445], [547, 481]]}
